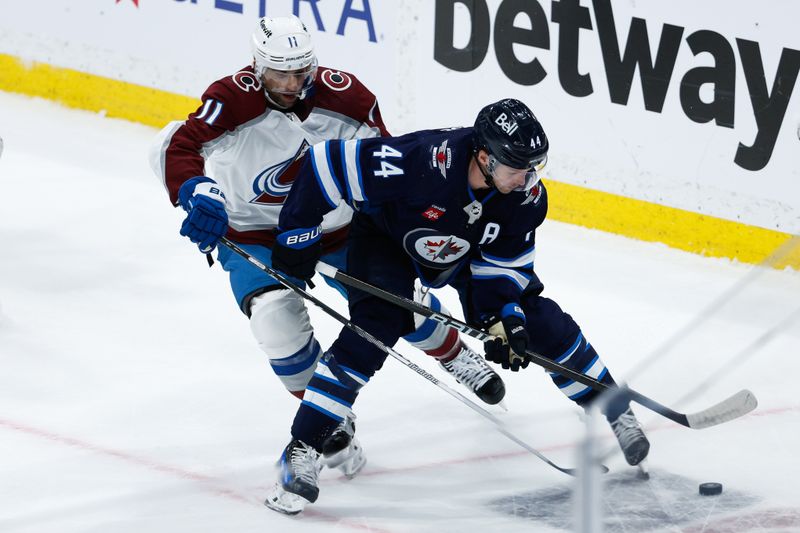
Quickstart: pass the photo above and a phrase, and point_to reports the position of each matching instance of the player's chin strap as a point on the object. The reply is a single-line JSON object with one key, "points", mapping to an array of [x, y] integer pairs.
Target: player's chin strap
{"points": [[733, 407], [486, 175], [499, 425]]}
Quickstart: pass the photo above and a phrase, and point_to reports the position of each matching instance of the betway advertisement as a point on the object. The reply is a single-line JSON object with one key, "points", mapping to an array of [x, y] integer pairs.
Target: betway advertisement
{"points": [[687, 104]]}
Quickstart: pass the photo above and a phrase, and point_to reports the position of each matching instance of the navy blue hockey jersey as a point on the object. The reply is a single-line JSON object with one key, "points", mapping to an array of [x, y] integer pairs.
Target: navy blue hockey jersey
{"points": [[415, 188]]}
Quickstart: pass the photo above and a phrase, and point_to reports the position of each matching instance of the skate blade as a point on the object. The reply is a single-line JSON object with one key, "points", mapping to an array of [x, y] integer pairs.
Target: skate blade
{"points": [[285, 502], [338, 459], [349, 461], [643, 470], [351, 468]]}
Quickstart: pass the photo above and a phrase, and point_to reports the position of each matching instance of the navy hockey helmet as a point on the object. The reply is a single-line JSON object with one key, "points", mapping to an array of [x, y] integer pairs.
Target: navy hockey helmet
{"points": [[510, 133]]}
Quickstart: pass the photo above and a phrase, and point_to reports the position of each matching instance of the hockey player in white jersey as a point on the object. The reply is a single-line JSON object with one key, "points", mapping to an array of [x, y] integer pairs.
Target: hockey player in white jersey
{"points": [[230, 166]]}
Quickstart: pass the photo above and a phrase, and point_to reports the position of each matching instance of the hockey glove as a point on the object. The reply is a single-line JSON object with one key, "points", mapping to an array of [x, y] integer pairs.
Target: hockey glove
{"points": [[297, 251], [511, 339], [206, 220]]}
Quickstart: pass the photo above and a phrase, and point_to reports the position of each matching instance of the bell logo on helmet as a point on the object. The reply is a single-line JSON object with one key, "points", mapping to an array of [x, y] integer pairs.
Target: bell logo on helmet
{"points": [[508, 126]]}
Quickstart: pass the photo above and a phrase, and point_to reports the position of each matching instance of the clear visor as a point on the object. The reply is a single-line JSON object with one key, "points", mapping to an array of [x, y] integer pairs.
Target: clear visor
{"points": [[289, 82], [526, 177]]}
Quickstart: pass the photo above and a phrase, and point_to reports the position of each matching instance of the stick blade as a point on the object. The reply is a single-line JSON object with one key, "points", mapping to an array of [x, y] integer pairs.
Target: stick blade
{"points": [[729, 409]]}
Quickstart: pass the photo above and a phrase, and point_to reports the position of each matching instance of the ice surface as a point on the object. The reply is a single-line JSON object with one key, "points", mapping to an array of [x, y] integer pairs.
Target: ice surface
{"points": [[132, 397]]}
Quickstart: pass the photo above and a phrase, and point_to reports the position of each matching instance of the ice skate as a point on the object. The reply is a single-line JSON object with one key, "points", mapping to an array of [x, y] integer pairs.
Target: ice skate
{"points": [[284, 502], [632, 440], [472, 371], [343, 451], [298, 482]]}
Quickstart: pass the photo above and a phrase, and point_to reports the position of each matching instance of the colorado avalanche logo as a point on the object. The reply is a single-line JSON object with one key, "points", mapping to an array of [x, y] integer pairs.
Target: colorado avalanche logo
{"points": [[432, 249], [338, 81], [246, 81], [273, 184]]}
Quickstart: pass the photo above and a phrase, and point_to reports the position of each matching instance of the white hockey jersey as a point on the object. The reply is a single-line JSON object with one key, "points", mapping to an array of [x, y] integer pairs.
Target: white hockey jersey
{"points": [[253, 151]]}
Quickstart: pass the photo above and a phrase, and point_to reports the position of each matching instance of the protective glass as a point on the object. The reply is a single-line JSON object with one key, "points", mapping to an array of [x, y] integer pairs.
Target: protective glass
{"points": [[289, 82], [529, 177]]}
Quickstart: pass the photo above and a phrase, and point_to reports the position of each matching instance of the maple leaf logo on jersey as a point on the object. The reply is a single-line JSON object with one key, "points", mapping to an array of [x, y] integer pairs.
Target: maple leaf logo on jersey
{"points": [[442, 249], [441, 158], [432, 249], [534, 195], [272, 185]]}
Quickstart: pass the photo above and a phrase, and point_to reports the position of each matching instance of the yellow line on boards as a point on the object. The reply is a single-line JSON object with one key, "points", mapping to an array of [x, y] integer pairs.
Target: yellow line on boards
{"points": [[684, 230], [80, 90]]}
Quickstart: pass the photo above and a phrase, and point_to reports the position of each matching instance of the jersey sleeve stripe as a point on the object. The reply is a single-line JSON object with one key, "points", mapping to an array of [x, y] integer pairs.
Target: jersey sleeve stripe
{"points": [[217, 110], [484, 271], [206, 108], [524, 260], [358, 169], [351, 168], [322, 172]]}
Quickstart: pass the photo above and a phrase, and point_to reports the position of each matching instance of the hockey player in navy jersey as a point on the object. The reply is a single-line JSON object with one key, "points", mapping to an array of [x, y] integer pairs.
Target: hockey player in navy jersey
{"points": [[457, 206], [230, 166]]}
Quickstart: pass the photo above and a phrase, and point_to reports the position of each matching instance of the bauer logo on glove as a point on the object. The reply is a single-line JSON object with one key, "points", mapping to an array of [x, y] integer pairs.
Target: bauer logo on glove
{"points": [[297, 251], [206, 220]]}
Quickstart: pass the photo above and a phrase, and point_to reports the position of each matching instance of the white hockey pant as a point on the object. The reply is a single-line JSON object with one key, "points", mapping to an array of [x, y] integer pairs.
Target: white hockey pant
{"points": [[280, 324], [279, 321]]}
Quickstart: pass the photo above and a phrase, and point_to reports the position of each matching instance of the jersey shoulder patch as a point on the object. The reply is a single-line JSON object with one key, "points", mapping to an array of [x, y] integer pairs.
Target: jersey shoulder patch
{"points": [[335, 80], [342, 92]]}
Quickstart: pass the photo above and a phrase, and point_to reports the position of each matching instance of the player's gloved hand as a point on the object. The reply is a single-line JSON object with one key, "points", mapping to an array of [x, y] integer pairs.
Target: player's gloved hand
{"points": [[511, 339], [206, 220], [297, 251]]}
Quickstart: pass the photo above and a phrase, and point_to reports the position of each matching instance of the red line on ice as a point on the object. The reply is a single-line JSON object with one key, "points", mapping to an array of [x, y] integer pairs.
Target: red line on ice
{"points": [[208, 482]]}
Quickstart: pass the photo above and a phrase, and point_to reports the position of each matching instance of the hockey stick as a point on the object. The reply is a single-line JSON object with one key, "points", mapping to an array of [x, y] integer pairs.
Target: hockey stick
{"points": [[733, 407], [286, 282]]}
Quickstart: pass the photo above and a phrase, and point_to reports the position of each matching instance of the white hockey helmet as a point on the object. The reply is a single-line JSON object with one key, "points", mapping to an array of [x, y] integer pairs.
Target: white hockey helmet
{"points": [[282, 43]]}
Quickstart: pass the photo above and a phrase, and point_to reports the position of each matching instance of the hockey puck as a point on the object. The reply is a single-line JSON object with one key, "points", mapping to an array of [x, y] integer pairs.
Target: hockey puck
{"points": [[710, 489]]}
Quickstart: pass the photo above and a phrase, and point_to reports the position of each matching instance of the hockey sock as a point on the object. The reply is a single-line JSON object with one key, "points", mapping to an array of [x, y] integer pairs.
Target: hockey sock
{"points": [[434, 338], [582, 357], [449, 348], [328, 399]]}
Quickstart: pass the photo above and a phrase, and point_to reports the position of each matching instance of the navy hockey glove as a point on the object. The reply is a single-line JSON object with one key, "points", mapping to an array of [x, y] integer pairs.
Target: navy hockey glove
{"points": [[511, 339], [297, 251], [206, 220]]}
